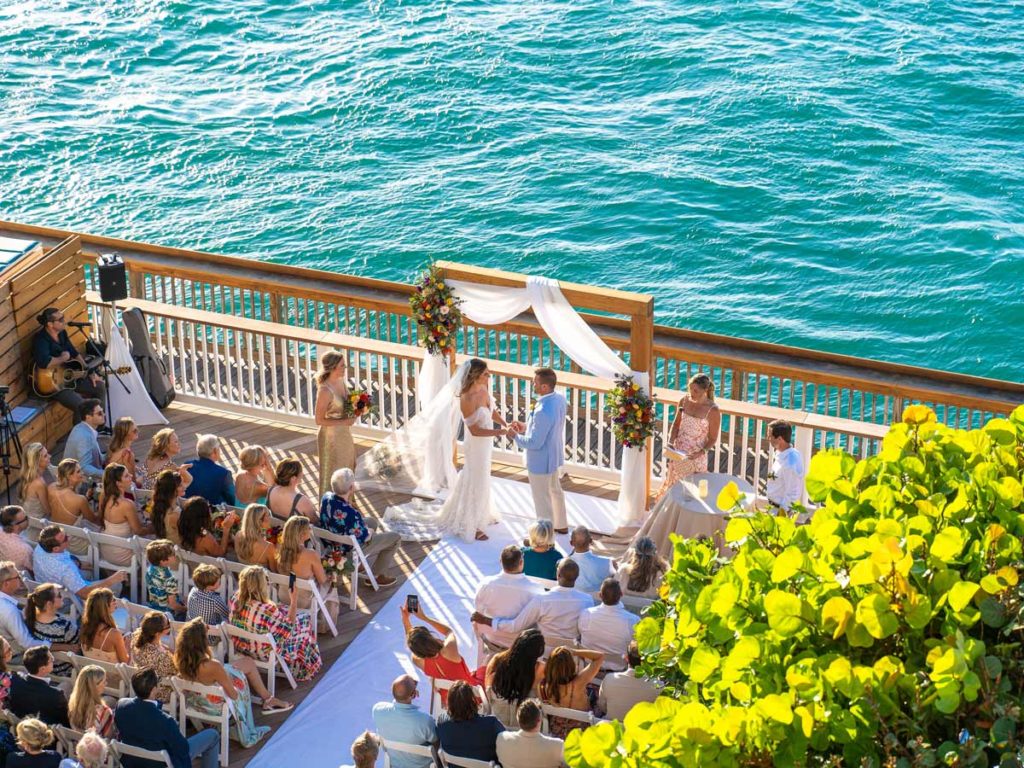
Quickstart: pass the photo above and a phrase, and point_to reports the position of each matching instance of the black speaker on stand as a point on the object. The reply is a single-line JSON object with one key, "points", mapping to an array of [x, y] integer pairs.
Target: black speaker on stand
{"points": [[113, 278]]}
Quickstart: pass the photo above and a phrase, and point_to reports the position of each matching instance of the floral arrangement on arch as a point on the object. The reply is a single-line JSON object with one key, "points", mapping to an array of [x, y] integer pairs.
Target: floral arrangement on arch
{"points": [[437, 313], [631, 411]]}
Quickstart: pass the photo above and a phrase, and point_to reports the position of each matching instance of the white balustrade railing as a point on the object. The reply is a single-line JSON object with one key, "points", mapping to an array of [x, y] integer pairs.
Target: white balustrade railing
{"points": [[269, 369]]}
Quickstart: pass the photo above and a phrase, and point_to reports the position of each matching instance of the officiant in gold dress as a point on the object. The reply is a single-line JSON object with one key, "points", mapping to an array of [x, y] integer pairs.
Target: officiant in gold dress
{"points": [[334, 440]]}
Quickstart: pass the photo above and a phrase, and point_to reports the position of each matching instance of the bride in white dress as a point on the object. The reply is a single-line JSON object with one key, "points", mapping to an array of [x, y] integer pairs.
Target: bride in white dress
{"points": [[468, 508]]}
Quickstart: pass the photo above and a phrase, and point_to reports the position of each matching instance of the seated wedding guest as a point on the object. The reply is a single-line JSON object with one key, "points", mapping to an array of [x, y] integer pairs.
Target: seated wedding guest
{"points": [[294, 557], [541, 557], [339, 515], [437, 656], [33, 737], [35, 481], [195, 663], [621, 690], [86, 707], [83, 443], [256, 476], [46, 623], [119, 451], [204, 600], [528, 747], [565, 686], [252, 610], [13, 544], [120, 514], [32, 693], [465, 732], [142, 723], [505, 594], [6, 655], [365, 750], [52, 562], [555, 613], [251, 544], [195, 526], [210, 479], [513, 675], [165, 506], [402, 721], [608, 626], [69, 507], [641, 570], [284, 498], [91, 751], [101, 639], [149, 652], [593, 568], [163, 447], [785, 485], [12, 625], [162, 578]]}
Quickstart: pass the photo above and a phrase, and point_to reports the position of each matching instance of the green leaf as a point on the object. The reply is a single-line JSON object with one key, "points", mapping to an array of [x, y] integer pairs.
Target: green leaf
{"points": [[825, 469], [1001, 431], [836, 615], [947, 545], [785, 612], [1003, 731], [961, 594], [993, 614], [787, 564], [877, 616], [703, 663], [648, 635]]}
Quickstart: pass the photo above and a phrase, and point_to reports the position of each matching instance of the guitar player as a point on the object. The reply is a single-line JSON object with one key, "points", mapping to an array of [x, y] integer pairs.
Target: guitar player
{"points": [[51, 348]]}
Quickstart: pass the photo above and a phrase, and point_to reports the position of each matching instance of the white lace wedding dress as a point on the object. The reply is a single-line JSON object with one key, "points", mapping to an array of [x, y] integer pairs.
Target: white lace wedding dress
{"points": [[468, 507]]}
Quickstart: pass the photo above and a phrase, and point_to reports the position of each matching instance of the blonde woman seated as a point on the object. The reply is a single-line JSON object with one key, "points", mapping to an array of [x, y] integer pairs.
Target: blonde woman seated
{"points": [[541, 556], [251, 544], [564, 686], [35, 481], [162, 449], [252, 610], [293, 557], [642, 571], [120, 449], [165, 506], [69, 507], [196, 664], [120, 514], [33, 737], [149, 652], [284, 498], [86, 707], [256, 477], [101, 639], [195, 526]]}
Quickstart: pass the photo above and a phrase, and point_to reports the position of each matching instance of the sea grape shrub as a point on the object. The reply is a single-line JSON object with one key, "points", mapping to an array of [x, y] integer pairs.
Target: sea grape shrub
{"points": [[886, 632]]}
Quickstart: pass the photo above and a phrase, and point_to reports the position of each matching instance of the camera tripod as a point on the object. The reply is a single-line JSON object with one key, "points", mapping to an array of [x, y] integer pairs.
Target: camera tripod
{"points": [[8, 440]]}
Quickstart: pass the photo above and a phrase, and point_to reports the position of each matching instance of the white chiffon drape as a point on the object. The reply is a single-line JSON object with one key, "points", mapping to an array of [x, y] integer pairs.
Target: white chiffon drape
{"points": [[128, 395]]}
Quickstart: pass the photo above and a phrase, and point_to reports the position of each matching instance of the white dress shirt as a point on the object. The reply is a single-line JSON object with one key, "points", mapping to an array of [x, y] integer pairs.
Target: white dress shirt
{"points": [[593, 570], [12, 626], [608, 629], [620, 691], [786, 486], [503, 596], [556, 614]]}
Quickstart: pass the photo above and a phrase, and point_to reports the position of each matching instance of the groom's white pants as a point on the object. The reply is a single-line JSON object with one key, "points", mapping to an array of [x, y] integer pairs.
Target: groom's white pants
{"points": [[548, 498]]}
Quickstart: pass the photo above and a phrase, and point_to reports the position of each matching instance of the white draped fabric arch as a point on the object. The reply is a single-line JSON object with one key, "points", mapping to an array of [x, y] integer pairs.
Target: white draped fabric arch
{"points": [[494, 305], [128, 395]]}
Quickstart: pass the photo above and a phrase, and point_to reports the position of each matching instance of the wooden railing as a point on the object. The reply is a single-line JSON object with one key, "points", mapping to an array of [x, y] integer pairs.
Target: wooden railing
{"points": [[268, 369]]}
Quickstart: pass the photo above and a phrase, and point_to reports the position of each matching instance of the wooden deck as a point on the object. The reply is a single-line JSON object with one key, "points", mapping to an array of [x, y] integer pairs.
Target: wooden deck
{"points": [[286, 440]]}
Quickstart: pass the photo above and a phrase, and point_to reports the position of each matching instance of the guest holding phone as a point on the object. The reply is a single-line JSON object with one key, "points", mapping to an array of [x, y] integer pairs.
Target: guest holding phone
{"points": [[437, 656]]}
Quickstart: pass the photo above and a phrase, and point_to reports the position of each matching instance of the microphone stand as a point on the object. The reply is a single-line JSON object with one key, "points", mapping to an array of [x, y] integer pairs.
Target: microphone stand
{"points": [[104, 365]]}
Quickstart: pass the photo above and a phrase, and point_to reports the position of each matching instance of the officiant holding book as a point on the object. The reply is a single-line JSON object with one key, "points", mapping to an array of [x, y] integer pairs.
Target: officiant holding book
{"points": [[543, 439]]}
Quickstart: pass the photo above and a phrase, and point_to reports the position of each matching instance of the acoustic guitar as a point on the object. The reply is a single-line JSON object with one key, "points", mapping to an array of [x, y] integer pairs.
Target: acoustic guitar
{"points": [[47, 382]]}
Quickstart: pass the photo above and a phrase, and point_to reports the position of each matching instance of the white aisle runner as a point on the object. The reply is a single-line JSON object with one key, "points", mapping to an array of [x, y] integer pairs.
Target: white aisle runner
{"points": [[321, 730]]}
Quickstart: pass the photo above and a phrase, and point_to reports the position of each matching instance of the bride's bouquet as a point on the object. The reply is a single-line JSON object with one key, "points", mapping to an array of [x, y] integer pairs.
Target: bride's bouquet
{"points": [[631, 411]]}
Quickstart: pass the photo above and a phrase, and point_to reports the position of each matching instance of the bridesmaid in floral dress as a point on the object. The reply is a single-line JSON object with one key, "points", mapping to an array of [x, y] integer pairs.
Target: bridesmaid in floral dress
{"points": [[694, 431]]}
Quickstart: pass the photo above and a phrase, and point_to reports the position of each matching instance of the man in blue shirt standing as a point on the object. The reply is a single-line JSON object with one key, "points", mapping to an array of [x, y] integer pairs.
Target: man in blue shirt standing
{"points": [[402, 721], [209, 479]]}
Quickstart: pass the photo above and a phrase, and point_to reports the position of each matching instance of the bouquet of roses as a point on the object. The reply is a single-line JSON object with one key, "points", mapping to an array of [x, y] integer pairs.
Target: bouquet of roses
{"points": [[274, 534], [334, 563], [631, 411], [218, 513], [358, 403], [436, 310]]}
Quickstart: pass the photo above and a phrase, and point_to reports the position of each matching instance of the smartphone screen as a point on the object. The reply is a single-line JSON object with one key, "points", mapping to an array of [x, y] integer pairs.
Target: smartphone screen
{"points": [[412, 603], [291, 580]]}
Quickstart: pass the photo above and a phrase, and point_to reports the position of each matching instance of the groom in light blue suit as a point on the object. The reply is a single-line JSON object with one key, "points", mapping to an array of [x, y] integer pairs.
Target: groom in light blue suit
{"points": [[543, 439]]}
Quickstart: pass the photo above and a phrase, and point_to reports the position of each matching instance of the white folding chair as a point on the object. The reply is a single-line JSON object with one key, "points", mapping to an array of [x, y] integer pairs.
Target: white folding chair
{"points": [[232, 570], [136, 613], [548, 584], [35, 525], [359, 561], [553, 641], [102, 564], [636, 604], [75, 533], [120, 750], [438, 684], [221, 721], [63, 657], [262, 649], [419, 750], [464, 762], [279, 589], [67, 739]]}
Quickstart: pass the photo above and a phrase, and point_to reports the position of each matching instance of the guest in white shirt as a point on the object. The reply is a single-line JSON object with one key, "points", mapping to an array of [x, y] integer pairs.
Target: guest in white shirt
{"points": [[12, 625], [555, 613], [593, 568], [621, 690], [52, 562], [608, 627], [786, 480], [505, 594], [528, 747]]}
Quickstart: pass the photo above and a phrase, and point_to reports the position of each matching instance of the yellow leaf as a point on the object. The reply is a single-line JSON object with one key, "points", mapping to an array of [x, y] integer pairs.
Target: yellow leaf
{"points": [[864, 573], [917, 414], [837, 613], [730, 497]]}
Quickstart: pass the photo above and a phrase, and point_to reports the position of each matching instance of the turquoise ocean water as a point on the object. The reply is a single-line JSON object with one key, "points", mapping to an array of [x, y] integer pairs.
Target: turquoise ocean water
{"points": [[841, 175]]}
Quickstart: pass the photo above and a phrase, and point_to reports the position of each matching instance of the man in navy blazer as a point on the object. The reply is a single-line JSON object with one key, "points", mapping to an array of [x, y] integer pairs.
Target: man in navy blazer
{"points": [[32, 694], [143, 723], [209, 479]]}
